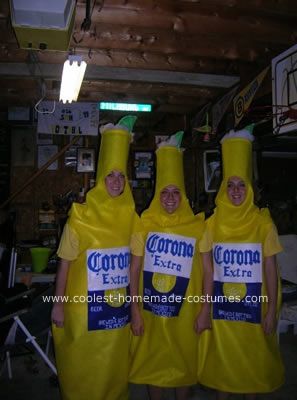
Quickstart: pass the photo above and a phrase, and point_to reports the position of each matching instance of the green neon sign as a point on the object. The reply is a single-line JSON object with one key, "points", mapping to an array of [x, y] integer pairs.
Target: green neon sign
{"points": [[125, 107]]}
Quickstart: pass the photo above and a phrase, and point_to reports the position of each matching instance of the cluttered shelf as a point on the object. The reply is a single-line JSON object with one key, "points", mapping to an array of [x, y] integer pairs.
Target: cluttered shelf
{"points": [[28, 277], [32, 264]]}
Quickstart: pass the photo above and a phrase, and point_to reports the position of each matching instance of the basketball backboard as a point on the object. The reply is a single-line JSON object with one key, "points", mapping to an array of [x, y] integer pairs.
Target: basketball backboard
{"points": [[284, 91]]}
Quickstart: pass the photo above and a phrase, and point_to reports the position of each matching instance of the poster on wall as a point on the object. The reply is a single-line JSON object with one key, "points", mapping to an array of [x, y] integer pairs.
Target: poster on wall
{"points": [[68, 119], [143, 164], [212, 170], [45, 153], [85, 160]]}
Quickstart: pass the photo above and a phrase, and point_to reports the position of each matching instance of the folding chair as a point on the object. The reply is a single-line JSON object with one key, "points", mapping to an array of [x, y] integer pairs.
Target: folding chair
{"points": [[19, 311]]}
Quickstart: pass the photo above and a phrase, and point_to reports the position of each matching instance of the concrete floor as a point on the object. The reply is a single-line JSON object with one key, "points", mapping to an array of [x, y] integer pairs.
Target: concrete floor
{"points": [[33, 380]]}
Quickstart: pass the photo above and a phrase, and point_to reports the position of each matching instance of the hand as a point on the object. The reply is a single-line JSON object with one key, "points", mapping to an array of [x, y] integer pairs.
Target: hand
{"points": [[202, 321], [269, 323], [58, 315], [137, 324]]}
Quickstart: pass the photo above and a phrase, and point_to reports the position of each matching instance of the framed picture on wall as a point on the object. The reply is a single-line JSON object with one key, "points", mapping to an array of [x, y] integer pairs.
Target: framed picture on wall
{"points": [[212, 170], [85, 160], [143, 164]]}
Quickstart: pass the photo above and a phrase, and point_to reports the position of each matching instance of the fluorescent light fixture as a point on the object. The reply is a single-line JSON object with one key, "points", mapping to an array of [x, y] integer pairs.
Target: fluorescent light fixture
{"points": [[72, 77], [125, 107]]}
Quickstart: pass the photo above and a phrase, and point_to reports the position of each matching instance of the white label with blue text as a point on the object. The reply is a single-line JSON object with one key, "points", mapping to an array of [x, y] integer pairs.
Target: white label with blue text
{"points": [[169, 254], [237, 262], [108, 268]]}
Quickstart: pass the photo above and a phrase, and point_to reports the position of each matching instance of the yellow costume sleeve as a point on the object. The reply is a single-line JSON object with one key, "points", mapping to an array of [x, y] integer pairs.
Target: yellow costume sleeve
{"points": [[137, 244], [205, 244], [272, 245], [68, 247]]}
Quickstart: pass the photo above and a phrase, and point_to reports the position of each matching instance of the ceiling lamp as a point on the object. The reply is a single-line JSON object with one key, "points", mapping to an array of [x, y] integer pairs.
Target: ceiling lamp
{"points": [[72, 77], [43, 24]]}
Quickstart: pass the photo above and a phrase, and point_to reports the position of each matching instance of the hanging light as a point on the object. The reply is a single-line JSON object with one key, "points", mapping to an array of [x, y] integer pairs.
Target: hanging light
{"points": [[72, 77]]}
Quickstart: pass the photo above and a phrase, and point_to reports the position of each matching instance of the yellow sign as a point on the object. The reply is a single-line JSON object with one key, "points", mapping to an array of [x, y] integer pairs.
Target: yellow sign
{"points": [[243, 100]]}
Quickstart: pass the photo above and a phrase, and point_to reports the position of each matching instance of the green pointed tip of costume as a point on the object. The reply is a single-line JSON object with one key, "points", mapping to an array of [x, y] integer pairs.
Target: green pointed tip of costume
{"points": [[179, 137], [128, 122], [250, 128]]}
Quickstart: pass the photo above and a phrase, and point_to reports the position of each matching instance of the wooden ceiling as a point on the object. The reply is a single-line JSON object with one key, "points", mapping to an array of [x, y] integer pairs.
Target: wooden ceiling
{"points": [[176, 55]]}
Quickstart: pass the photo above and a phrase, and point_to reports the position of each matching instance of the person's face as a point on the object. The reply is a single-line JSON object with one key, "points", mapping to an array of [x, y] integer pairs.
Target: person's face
{"points": [[115, 183], [170, 198], [236, 190]]}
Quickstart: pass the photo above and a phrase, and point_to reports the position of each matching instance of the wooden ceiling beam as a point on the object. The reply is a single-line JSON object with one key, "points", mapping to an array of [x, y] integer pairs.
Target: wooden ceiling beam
{"points": [[280, 8], [93, 72], [216, 22], [216, 28], [132, 88], [135, 59], [151, 88], [190, 47]]}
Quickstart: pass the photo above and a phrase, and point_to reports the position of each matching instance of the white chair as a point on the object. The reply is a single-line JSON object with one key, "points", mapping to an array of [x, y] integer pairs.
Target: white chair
{"points": [[18, 311]]}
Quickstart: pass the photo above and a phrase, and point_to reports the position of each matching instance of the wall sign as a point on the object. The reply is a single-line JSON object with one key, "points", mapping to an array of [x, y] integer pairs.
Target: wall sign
{"points": [[143, 164], [68, 119]]}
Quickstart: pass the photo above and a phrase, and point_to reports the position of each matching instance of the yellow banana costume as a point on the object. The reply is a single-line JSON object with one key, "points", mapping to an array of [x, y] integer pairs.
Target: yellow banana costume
{"points": [[166, 355], [92, 348], [236, 355]]}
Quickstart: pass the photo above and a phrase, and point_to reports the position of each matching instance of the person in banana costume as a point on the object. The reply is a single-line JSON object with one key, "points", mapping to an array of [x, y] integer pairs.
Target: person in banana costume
{"points": [[91, 331], [242, 345], [167, 277]]}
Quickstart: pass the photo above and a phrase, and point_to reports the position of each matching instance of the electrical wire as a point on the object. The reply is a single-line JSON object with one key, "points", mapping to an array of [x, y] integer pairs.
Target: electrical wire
{"points": [[44, 112]]}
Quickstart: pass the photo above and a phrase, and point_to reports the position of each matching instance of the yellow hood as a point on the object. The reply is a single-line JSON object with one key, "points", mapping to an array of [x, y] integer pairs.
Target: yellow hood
{"points": [[237, 161], [100, 206], [169, 172]]}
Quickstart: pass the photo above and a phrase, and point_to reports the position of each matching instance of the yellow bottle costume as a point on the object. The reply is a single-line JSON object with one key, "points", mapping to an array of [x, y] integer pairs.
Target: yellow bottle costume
{"points": [[236, 355], [165, 355], [92, 347]]}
